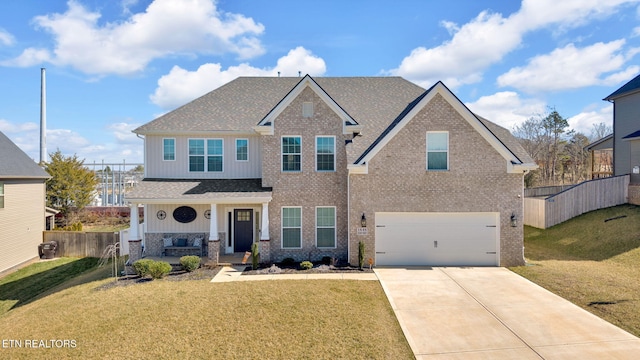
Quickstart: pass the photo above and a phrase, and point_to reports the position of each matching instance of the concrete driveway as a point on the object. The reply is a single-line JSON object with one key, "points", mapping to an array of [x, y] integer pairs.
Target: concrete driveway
{"points": [[493, 313]]}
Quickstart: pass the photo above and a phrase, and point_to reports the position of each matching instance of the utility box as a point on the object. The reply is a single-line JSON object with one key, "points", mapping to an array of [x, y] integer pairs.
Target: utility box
{"points": [[47, 250]]}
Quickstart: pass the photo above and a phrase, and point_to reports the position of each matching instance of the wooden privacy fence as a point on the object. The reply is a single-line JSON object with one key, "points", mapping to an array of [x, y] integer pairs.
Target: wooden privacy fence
{"points": [[81, 244], [587, 196]]}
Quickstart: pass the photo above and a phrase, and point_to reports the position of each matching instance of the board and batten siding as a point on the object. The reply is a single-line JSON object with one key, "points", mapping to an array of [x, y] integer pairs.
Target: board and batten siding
{"points": [[21, 221], [156, 167]]}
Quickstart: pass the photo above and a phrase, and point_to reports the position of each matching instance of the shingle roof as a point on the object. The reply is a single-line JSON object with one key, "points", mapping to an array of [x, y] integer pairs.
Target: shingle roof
{"points": [[633, 135], [191, 189], [373, 102], [15, 163], [632, 85]]}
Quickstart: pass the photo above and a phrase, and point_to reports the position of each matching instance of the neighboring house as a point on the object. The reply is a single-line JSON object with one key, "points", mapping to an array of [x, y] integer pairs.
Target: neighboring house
{"points": [[310, 167], [625, 139], [22, 205]]}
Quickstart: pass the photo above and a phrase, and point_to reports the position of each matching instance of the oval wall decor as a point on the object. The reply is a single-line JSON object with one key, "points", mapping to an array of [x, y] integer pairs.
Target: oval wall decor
{"points": [[161, 214], [184, 214]]}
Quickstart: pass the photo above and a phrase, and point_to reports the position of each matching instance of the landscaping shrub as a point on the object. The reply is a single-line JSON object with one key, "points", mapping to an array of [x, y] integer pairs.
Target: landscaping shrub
{"points": [[158, 269], [141, 267], [327, 260], [190, 262], [360, 255], [306, 265], [255, 255], [287, 262]]}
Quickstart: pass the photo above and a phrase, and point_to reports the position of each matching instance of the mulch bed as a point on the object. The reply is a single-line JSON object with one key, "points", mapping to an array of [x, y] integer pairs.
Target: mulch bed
{"points": [[207, 273], [202, 273], [318, 269]]}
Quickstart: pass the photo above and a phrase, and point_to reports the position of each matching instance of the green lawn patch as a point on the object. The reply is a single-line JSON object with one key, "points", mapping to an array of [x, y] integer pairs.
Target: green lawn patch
{"points": [[591, 262], [26, 284], [284, 319]]}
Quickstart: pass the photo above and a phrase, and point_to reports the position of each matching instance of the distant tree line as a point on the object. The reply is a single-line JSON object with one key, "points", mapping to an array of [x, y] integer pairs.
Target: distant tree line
{"points": [[558, 150]]}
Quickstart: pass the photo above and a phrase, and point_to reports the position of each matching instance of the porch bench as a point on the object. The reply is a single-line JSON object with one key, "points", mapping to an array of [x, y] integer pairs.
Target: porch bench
{"points": [[182, 246], [179, 251]]}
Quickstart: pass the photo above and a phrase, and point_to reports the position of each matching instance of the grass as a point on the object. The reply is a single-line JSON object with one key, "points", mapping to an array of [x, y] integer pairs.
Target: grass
{"points": [[592, 263], [25, 285], [198, 319]]}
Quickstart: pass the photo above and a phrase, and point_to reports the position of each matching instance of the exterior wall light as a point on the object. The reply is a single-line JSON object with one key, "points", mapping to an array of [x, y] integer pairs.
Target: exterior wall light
{"points": [[514, 220], [363, 221]]}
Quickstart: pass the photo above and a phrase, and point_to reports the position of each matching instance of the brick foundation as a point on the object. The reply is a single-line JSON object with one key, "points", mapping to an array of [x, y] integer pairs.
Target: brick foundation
{"points": [[634, 194]]}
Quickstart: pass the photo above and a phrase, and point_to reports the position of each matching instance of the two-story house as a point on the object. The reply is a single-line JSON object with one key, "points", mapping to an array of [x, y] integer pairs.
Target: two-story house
{"points": [[311, 167], [22, 206], [625, 140]]}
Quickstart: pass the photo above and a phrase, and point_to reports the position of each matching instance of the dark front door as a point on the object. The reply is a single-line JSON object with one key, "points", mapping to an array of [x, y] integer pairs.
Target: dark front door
{"points": [[242, 229]]}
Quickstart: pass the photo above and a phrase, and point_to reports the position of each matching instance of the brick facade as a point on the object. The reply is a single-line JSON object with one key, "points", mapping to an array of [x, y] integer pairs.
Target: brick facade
{"points": [[634, 194], [477, 181], [307, 188]]}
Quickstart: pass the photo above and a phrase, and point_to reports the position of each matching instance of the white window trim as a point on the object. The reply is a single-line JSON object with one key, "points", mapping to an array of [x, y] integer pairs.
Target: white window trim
{"points": [[426, 158], [2, 195], [247, 140], [174, 149], [282, 154], [334, 227], [206, 167], [282, 227], [334, 152]]}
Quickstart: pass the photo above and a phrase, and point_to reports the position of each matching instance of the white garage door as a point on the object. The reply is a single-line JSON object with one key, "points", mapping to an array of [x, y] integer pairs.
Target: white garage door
{"points": [[438, 239]]}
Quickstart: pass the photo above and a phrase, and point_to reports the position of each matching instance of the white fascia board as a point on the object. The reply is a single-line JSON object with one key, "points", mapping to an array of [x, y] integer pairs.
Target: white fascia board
{"points": [[219, 200], [358, 169], [439, 88], [352, 129], [520, 168], [307, 81], [199, 133], [264, 129]]}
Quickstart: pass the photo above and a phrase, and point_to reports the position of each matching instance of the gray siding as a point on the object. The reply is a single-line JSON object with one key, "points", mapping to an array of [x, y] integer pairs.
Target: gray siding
{"points": [[626, 115], [21, 221], [156, 167]]}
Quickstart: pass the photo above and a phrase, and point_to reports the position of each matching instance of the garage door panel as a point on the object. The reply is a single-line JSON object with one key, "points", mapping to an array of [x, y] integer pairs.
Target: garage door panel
{"points": [[437, 239]]}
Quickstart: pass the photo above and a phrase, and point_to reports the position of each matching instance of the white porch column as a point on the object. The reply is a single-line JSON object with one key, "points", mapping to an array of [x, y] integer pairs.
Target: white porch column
{"points": [[134, 223], [213, 223], [264, 235]]}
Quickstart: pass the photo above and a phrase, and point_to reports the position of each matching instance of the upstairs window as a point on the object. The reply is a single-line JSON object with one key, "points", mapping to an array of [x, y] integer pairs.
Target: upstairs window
{"points": [[1, 195], [437, 150], [325, 153], [242, 149], [168, 149], [205, 155], [291, 153]]}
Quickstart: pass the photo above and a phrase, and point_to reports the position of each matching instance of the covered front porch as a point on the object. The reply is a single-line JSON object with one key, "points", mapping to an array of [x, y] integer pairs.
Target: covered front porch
{"points": [[215, 219]]}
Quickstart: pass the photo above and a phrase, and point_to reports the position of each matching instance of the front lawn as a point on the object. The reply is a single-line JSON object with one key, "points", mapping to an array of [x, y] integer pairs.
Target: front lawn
{"points": [[591, 262], [196, 319]]}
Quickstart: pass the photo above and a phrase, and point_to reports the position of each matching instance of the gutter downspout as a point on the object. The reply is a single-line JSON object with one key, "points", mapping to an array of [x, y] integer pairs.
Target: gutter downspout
{"points": [[348, 216]]}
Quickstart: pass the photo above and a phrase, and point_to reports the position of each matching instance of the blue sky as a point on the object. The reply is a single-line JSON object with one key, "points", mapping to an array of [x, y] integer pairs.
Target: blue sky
{"points": [[115, 65]]}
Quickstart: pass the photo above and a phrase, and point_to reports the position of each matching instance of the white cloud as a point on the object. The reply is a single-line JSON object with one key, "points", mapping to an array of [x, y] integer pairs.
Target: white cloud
{"points": [[117, 142], [180, 86], [584, 121], [167, 27], [506, 108], [6, 38], [487, 38], [569, 68], [29, 57]]}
